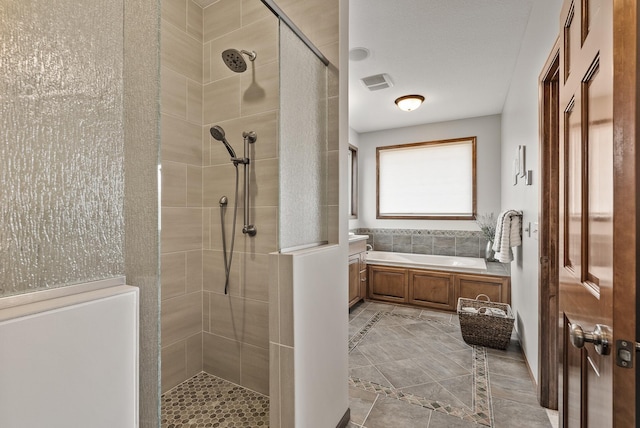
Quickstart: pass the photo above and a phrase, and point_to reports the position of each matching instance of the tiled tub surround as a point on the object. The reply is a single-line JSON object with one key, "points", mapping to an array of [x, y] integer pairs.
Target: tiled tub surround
{"points": [[463, 243]]}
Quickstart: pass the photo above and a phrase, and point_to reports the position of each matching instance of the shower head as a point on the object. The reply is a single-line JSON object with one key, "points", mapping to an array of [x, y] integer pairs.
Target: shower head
{"points": [[235, 61], [218, 133]]}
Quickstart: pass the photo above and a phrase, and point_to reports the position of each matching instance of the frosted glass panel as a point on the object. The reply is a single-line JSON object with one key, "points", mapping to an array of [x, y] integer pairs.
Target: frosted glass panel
{"points": [[303, 144], [61, 157]]}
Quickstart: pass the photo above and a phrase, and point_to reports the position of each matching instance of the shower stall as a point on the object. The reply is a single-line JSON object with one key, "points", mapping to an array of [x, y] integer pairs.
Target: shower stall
{"points": [[226, 292], [84, 137]]}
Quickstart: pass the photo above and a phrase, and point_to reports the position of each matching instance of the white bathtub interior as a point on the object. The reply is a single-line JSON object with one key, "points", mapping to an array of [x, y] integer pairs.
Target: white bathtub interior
{"points": [[470, 264], [71, 361]]}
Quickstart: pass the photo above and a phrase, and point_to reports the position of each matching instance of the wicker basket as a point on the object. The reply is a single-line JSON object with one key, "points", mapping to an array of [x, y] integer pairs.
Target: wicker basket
{"points": [[481, 322]]}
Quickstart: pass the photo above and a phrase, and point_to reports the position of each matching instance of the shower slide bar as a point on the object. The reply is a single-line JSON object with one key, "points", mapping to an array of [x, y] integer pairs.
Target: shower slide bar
{"points": [[280, 14], [249, 138]]}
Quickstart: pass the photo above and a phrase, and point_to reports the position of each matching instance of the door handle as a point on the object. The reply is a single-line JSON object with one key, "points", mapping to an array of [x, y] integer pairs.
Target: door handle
{"points": [[600, 336]]}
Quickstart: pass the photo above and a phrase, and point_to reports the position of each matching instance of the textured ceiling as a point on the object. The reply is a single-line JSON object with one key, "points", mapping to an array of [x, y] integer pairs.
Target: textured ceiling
{"points": [[459, 54]]}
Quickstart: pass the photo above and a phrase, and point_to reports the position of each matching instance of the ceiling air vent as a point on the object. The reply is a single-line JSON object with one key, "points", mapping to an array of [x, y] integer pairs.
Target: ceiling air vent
{"points": [[377, 82]]}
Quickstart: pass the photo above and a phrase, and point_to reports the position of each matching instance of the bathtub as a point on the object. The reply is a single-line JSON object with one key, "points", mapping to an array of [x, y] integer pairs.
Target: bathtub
{"points": [[425, 261]]}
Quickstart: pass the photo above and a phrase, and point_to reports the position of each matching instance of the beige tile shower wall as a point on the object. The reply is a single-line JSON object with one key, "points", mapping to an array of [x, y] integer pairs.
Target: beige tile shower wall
{"points": [[236, 325], [182, 212]]}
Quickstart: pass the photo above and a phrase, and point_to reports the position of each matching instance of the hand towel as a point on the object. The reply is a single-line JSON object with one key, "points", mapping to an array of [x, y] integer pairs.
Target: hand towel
{"points": [[508, 235]]}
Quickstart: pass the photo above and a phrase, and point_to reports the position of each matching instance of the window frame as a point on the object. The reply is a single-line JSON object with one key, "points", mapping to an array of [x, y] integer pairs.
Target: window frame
{"points": [[423, 216]]}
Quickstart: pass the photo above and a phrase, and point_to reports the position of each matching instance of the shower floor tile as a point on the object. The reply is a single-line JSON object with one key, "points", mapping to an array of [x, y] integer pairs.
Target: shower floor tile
{"points": [[208, 401]]}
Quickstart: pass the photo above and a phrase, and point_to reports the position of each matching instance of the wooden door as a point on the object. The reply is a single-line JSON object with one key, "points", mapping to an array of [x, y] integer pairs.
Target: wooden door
{"points": [[548, 230], [597, 210]]}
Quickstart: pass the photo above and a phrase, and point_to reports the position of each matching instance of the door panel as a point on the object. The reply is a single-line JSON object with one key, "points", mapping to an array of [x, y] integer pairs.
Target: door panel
{"points": [[388, 283], [573, 375], [573, 186], [586, 209], [432, 289], [599, 227]]}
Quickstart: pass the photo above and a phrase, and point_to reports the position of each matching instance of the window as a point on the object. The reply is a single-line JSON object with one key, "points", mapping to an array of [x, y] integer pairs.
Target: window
{"points": [[433, 180], [353, 181]]}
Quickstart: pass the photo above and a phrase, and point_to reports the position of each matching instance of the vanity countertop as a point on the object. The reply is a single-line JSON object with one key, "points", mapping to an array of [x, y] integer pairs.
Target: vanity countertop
{"points": [[355, 238]]}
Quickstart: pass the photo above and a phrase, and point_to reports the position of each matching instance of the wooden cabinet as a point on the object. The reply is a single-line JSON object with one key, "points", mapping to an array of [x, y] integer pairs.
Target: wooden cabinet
{"points": [[354, 279], [433, 289], [497, 288], [388, 284], [357, 272]]}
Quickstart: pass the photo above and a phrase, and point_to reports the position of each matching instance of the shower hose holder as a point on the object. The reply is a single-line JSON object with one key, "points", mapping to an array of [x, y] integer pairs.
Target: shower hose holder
{"points": [[249, 138]]}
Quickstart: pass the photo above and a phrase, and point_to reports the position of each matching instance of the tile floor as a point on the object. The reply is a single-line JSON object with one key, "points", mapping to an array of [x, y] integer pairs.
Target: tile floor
{"points": [[409, 368], [208, 401]]}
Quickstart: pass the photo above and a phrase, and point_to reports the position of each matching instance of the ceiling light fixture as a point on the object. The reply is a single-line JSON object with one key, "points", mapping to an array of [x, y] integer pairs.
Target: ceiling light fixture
{"points": [[409, 102], [359, 54]]}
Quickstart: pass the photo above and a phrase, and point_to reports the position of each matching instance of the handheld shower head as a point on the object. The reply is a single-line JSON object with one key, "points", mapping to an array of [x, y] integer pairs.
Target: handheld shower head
{"points": [[235, 61], [218, 133]]}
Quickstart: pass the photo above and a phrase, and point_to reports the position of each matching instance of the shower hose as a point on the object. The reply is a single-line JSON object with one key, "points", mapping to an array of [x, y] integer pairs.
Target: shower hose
{"points": [[227, 260]]}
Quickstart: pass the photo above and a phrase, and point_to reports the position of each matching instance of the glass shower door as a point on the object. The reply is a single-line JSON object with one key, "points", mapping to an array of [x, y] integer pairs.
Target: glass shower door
{"points": [[303, 145]]}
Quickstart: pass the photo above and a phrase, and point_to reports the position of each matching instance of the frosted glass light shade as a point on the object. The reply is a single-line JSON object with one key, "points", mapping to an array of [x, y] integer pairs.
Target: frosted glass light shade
{"points": [[409, 102]]}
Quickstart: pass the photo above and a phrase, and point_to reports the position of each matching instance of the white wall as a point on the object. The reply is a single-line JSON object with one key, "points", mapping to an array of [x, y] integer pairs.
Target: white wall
{"points": [[320, 312], [71, 359], [486, 128], [520, 127]]}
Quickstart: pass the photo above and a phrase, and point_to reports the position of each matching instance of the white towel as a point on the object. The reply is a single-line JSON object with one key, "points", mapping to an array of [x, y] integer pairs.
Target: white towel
{"points": [[508, 234]]}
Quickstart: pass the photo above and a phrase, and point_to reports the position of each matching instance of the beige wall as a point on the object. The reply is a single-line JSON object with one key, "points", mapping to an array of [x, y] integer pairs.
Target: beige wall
{"points": [[236, 325], [182, 213], [198, 91]]}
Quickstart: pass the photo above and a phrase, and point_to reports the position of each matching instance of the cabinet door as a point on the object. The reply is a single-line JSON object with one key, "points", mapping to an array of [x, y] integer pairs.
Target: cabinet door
{"points": [[388, 283], [432, 289], [497, 288], [354, 279]]}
